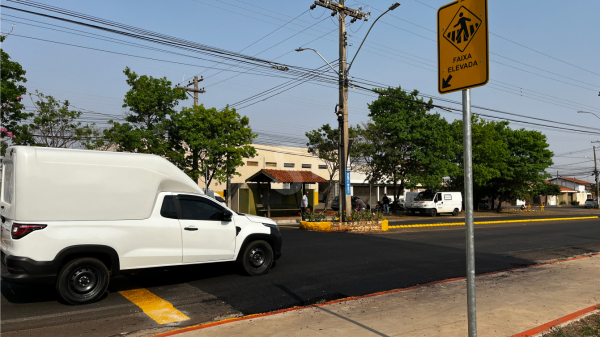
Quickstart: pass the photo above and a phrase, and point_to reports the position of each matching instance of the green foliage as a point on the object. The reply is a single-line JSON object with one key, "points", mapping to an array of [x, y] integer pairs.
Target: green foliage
{"points": [[575, 203], [589, 331], [507, 164], [406, 143], [563, 202], [55, 125], [365, 216], [490, 154], [546, 189], [12, 93], [324, 143], [212, 139], [526, 165], [368, 143], [314, 217], [150, 101]]}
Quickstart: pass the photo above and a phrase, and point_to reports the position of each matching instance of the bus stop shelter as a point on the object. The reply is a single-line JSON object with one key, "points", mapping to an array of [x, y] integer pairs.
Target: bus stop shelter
{"points": [[270, 176]]}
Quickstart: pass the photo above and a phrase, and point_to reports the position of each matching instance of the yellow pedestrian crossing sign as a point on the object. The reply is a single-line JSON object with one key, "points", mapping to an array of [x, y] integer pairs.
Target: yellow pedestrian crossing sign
{"points": [[463, 60]]}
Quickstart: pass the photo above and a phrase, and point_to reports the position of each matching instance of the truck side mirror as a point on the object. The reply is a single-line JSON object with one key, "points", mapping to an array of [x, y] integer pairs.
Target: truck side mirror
{"points": [[227, 215]]}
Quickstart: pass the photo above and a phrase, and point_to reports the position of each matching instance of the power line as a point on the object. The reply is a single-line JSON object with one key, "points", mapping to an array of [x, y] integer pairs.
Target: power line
{"points": [[149, 36], [265, 36]]}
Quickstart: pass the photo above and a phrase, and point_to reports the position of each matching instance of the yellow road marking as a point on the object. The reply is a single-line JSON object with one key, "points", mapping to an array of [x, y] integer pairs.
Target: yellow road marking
{"points": [[491, 222], [155, 307]]}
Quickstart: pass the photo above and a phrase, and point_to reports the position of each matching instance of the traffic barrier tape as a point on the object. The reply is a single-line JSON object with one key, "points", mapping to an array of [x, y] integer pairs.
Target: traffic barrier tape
{"points": [[491, 222]]}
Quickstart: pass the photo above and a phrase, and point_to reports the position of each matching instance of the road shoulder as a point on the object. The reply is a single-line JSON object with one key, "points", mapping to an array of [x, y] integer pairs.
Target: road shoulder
{"points": [[508, 303]]}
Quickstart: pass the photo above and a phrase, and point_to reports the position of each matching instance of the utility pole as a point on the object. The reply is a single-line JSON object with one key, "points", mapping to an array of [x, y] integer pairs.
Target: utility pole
{"points": [[342, 112], [195, 89], [596, 174]]}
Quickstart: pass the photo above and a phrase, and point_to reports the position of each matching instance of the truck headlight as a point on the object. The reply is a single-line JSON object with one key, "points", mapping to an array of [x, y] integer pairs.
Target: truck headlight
{"points": [[271, 226]]}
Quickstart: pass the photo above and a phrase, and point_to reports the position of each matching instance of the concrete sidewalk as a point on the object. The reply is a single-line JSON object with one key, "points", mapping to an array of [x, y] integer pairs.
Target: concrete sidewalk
{"points": [[507, 303]]}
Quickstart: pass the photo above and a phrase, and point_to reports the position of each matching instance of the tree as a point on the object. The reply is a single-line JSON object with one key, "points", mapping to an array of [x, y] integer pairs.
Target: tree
{"points": [[12, 92], [324, 143], [212, 139], [507, 164], [414, 146], [55, 125], [369, 143], [150, 101], [490, 155], [545, 188], [526, 164]]}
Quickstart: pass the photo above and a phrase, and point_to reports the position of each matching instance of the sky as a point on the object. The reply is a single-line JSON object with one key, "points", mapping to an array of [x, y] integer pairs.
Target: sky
{"points": [[543, 62]]}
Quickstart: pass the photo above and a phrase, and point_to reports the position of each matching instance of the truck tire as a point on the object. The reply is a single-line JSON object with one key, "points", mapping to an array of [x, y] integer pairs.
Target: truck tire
{"points": [[455, 212], [82, 281], [257, 258], [433, 212]]}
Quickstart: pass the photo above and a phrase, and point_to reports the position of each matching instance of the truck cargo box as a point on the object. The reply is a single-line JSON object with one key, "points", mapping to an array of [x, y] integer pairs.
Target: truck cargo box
{"points": [[46, 184]]}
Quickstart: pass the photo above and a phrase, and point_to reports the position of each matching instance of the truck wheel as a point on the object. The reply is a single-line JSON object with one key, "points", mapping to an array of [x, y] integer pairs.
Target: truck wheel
{"points": [[82, 281], [257, 258], [455, 212], [433, 213]]}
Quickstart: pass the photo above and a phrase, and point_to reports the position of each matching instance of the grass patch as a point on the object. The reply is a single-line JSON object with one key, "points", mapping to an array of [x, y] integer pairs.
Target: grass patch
{"points": [[587, 327]]}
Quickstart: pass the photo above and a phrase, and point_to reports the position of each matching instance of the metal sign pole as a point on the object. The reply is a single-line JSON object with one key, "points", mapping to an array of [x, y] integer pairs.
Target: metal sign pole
{"points": [[468, 167]]}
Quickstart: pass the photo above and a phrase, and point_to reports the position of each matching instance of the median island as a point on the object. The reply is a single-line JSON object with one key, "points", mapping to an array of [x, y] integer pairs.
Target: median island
{"points": [[366, 222]]}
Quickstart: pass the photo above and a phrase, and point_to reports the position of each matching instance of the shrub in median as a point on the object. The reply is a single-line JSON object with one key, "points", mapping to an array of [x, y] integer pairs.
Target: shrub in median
{"points": [[314, 216]]}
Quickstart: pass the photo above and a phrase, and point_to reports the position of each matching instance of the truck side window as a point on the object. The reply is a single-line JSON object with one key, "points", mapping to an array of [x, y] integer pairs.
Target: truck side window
{"points": [[199, 210], [168, 209]]}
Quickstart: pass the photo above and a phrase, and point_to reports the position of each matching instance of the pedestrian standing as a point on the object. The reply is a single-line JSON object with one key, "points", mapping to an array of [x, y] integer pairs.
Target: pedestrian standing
{"points": [[386, 204], [304, 204]]}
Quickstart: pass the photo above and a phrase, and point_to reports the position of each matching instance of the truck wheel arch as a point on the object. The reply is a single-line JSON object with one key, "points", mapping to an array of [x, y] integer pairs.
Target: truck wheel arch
{"points": [[254, 237], [106, 254]]}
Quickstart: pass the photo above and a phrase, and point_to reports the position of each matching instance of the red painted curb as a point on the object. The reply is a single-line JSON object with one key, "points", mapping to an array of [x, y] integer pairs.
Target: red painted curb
{"points": [[547, 326], [244, 318]]}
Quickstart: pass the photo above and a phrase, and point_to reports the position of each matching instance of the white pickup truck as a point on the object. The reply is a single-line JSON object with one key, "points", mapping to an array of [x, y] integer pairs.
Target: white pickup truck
{"points": [[74, 218]]}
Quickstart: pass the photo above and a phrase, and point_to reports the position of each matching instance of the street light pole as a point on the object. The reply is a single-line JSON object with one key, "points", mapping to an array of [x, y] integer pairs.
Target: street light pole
{"points": [[587, 112]]}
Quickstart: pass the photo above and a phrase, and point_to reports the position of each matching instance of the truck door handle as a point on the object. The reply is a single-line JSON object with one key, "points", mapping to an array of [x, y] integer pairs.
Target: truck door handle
{"points": [[191, 228]]}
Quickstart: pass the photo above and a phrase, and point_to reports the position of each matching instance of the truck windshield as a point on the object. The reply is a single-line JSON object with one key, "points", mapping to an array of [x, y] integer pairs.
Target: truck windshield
{"points": [[425, 196]]}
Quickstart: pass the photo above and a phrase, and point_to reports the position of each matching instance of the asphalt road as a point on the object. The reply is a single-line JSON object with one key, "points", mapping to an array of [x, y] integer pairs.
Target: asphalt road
{"points": [[314, 267]]}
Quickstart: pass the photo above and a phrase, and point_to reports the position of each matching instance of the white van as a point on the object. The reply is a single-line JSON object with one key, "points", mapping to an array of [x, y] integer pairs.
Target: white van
{"points": [[433, 203], [409, 199], [74, 217]]}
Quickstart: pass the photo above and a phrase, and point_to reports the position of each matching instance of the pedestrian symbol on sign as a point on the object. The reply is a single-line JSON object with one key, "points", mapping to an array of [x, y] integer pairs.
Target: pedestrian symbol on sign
{"points": [[462, 28]]}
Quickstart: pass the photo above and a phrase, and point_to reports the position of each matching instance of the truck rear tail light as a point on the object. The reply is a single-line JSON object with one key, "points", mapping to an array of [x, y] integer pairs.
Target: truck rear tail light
{"points": [[20, 230]]}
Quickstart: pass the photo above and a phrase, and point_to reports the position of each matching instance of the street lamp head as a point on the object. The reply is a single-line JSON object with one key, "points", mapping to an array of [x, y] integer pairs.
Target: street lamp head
{"points": [[394, 6], [583, 112], [300, 49]]}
